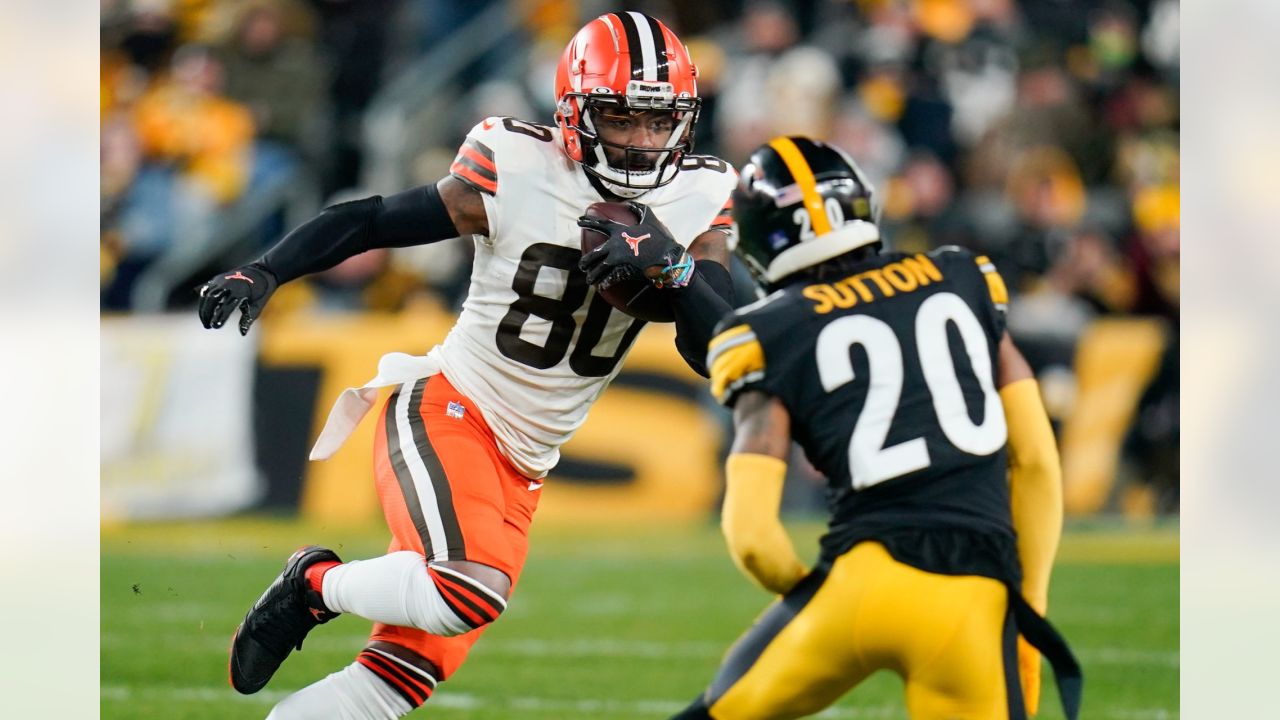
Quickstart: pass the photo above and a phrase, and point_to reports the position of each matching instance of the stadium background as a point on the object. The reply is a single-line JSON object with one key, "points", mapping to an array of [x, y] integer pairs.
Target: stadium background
{"points": [[1043, 133]]}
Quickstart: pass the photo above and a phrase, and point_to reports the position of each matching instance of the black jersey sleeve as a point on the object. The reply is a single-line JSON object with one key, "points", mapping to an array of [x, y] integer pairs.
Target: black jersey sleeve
{"points": [[748, 350], [997, 293], [698, 309], [735, 359]]}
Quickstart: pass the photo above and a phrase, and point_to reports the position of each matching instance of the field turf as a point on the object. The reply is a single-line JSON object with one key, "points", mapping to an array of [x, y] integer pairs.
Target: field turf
{"points": [[607, 624]]}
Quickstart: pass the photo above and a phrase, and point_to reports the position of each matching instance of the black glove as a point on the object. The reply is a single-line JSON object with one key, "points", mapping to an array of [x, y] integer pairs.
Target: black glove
{"points": [[645, 249], [247, 287]]}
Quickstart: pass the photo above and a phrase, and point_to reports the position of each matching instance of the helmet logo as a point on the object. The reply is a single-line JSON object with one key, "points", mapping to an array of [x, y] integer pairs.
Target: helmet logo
{"points": [[648, 95], [634, 242]]}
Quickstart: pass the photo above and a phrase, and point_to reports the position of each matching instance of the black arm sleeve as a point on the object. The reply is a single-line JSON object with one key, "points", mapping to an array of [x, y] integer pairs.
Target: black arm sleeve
{"points": [[413, 217], [698, 307]]}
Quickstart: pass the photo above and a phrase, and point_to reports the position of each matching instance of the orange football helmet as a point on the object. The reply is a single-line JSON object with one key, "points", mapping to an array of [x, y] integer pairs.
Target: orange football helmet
{"points": [[626, 61]]}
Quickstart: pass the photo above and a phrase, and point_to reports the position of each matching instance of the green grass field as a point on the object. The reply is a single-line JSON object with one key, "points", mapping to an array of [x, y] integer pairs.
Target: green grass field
{"points": [[607, 624]]}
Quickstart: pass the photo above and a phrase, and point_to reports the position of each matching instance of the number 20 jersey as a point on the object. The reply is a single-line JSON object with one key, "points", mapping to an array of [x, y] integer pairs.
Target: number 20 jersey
{"points": [[534, 346], [888, 377]]}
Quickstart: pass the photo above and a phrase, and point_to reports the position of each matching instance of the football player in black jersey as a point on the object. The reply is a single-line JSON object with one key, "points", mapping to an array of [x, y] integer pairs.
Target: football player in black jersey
{"points": [[894, 373]]}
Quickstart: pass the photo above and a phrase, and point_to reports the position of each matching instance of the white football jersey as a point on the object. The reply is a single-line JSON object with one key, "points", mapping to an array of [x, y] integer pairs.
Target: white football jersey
{"points": [[534, 346]]}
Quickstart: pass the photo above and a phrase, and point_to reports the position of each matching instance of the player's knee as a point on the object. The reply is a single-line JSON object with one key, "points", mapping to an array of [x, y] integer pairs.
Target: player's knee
{"points": [[490, 577], [405, 655], [454, 602], [404, 672]]}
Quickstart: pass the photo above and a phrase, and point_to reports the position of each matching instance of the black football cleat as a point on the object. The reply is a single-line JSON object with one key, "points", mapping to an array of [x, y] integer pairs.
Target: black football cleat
{"points": [[278, 622]]}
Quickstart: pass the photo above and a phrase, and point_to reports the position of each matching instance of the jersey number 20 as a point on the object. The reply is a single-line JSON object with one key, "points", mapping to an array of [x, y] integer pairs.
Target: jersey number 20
{"points": [[870, 462]]}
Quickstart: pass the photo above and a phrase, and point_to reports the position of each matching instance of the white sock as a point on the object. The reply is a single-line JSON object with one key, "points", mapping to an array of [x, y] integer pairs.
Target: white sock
{"points": [[397, 589], [352, 693]]}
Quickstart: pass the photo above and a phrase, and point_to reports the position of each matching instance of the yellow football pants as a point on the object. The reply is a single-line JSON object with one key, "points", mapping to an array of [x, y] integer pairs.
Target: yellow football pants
{"points": [[947, 636]]}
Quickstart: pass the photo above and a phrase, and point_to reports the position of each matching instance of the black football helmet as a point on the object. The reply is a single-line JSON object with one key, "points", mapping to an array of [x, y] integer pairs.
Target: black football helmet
{"points": [[800, 202]]}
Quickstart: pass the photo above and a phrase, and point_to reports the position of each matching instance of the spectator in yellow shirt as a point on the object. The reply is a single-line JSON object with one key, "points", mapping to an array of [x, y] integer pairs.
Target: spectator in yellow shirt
{"points": [[185, 122]]}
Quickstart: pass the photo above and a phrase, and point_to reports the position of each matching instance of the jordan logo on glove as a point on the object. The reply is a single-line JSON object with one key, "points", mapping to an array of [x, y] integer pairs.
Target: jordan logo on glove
{"points": [[634, 242], [241, 276]]}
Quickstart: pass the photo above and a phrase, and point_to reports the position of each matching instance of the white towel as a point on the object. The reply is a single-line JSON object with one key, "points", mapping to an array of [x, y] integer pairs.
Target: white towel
{"points": [[354, 403]]}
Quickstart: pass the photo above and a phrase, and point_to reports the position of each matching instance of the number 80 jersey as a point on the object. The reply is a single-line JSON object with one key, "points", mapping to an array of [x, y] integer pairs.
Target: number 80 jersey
{"points": [[889, 379], [534, 346]]}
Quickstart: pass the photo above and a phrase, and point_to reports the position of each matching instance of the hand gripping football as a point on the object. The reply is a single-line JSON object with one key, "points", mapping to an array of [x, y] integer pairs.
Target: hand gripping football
{"points": [[636, 296]]}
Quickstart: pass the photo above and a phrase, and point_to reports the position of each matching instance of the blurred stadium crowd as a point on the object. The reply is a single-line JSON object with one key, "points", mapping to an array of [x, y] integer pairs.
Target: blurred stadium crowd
{"points": [[1043, 133]]}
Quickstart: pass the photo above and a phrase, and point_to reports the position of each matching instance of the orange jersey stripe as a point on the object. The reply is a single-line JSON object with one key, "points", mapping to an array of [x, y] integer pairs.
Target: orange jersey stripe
{"points": [[460, 605], [475, 596], [468, 615], [484, 606], [383, 660], [724, 218], [477, 158], [390, 668], [409, 693], [466, 173], [466, 601]]}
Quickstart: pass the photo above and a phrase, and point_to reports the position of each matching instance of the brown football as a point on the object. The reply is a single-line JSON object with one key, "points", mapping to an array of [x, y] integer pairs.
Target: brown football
{"points": [[636, 297]]}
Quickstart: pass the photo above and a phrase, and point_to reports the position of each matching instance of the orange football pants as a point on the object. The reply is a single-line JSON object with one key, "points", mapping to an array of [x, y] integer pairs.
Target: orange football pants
{"points": [[448, 493]]}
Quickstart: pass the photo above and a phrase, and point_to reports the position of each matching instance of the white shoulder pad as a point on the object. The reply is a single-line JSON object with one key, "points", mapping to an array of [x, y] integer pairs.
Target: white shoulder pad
{"points": [[699, 198], [499, 146]]}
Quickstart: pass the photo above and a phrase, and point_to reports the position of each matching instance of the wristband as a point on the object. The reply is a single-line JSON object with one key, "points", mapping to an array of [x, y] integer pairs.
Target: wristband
{"points": [[677, 274]]}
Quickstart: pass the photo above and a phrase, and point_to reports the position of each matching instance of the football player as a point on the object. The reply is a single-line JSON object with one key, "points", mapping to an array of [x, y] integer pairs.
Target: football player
{"points": [[895, 375], [471, 429]]}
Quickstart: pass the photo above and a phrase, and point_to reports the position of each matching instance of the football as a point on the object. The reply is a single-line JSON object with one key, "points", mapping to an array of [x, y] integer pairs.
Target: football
{"points": [[636, 297]]}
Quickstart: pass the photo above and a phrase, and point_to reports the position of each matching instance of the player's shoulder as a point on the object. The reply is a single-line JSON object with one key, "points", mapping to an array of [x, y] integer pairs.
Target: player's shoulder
{"points": [[502, 146], [706, 174], [510, 132], [760, 322], [707, 166], [778, 307], [953, 259], [955, 256], [736, 355]]}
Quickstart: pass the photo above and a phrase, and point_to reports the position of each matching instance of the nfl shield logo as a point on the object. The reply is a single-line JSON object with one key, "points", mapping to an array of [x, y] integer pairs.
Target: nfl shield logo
{"points": [[455, 410]]}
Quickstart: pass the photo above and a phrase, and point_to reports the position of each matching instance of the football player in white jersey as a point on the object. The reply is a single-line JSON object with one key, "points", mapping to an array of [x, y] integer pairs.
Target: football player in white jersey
{"points": [[472, 428]]}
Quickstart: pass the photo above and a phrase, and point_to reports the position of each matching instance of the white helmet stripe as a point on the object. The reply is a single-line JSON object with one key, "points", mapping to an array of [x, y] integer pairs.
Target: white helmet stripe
{"points": [[648, 52]]}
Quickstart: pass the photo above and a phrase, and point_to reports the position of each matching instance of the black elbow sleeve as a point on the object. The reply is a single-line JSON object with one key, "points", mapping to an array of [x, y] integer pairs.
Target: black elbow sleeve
{"points": [[698, 308], [413, 217], [337, 233], [344, 230]]}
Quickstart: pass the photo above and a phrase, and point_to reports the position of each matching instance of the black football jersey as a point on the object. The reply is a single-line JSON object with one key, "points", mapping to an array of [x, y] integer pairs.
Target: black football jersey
{"points": [[889, 378]]}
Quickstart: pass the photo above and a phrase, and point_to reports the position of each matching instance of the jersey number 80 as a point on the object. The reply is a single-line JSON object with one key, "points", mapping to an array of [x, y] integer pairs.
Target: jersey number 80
{"points": [[559, 312]]}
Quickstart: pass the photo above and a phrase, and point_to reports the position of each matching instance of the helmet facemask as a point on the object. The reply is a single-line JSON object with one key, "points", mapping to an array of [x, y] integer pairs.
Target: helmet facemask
{"points": [[629, 171]]}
